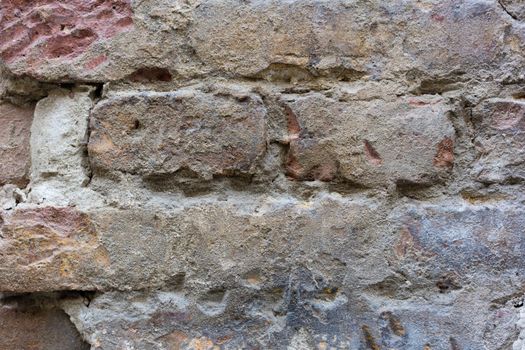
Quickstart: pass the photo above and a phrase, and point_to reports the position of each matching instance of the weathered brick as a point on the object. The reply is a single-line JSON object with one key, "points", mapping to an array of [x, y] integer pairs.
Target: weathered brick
{"points": [[462, 239], [15, 157], [372, 143], [279, 40], [500, 141], [39, 31], [163, 133], [47, 249], [213, 242], [29, 326]]}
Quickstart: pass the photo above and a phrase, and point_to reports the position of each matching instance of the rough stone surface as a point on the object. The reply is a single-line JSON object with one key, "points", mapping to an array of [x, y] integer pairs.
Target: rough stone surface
{"points": [[36, 32], [409, 140], [27, 323], [343, 284], [276, 39], [162, 134], [47, 249], [59, 136], [283, 174], [14, 144], [500, 140], [515, 9]]}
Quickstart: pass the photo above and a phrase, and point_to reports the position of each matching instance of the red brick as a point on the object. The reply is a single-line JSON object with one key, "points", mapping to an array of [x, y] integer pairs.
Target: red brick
{"points": [[46, 29]]}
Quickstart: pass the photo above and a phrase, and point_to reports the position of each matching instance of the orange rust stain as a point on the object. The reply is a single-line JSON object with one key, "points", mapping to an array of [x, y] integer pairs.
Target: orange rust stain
{"points": [[293, 168], [102, 144], [369, 339], [445, 154]]}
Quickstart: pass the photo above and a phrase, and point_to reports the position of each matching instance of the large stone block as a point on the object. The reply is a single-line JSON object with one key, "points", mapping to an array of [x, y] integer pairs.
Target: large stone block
{"points": [[282, 40], [288, 40], [328, 273], [500, 141], [15, 157], [371, 143], [210, 244], [163, 133], [48, 249], [296, 315]]}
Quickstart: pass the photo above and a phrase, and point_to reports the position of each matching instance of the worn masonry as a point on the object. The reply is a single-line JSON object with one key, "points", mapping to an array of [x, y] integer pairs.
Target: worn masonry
{"points": [[262, 174]]}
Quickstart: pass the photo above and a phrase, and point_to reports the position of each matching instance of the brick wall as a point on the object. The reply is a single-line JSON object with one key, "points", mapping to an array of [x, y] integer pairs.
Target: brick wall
{"points": [[206, 174]]}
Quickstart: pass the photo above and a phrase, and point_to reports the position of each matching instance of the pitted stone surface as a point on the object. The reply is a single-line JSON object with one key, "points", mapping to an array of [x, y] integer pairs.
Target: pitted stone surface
{"points": [[59, 136], [500, 140], [373, 143], [14, 144], [341, 284], [165, 133], [281, 174], [339, 39], [48, 249], [515, 9], [36, 33]]}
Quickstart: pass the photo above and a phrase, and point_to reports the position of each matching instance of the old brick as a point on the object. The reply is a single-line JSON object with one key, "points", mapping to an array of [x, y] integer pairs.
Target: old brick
{"points": [[15, 156], [271, 40], [163, 133], [372, 143], [38, 31], [500, 141], [48, 248], [463, 239], [29, 326]]}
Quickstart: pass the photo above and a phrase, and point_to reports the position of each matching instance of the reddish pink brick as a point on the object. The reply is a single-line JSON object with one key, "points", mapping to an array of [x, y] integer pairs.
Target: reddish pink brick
{"points": [[46, 29]]}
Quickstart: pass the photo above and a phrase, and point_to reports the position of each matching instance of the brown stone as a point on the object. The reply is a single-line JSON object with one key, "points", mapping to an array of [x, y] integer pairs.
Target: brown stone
{"points": [[25, 325], [15, 156], [500, 141], [445, 154], [375, 143], [283, 41], [48, 248], [163, 133]]}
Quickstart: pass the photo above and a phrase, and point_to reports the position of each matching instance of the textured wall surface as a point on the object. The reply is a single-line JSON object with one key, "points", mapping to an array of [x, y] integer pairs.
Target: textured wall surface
{"points": [[262, 174]]}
